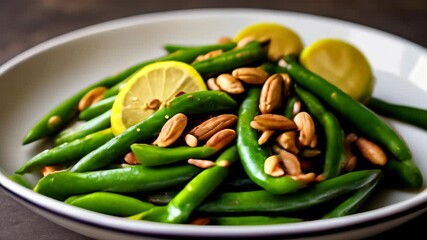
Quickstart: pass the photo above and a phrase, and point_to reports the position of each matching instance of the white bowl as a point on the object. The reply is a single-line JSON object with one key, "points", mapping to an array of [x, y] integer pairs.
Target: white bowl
{"points": [[38, 79]]}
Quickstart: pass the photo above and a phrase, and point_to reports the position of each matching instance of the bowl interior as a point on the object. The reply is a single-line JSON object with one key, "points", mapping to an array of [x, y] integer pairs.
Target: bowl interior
{"points": [[34, 82]]}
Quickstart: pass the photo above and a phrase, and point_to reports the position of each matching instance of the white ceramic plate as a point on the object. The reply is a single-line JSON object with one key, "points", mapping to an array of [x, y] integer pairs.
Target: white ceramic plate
{"points": [[38, 79]]}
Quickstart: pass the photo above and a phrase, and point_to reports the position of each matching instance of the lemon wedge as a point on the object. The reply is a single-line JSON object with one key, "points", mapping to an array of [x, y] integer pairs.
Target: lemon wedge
{"points": [[342, 64], [150, 89], [283, 40]]}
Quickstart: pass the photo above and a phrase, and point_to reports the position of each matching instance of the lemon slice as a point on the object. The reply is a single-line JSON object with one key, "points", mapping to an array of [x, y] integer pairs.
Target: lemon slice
{"points": [[283, 40], [149, 89], [342, 64]]}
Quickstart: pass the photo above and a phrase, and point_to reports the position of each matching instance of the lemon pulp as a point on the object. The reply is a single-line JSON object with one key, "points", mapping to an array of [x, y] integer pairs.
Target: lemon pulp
{"points": [[342, 64], [158, 82]]}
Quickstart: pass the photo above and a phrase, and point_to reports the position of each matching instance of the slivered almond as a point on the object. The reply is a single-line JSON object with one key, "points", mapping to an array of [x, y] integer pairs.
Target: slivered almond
{"points": [[201, 163], [245, 41], [53, 121], [275, 122], [287, 141], [221, 139], [131, 159], [211, 84], [290, 161], [91, 97], [208, 128], [307, 177], [229, 84], [46, 170], [272, 166], [191, 140], [265, 136], [271, 94], [208, 55], [172, 130], [371, 151], [250, 75], [306, 128]]}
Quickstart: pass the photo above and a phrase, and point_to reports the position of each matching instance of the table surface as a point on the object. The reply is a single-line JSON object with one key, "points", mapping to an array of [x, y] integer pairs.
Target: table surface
{"points": [[25, 23]]}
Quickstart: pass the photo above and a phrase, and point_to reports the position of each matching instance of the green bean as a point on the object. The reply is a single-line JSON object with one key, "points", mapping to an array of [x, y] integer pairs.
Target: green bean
{"points": [[151, 155], [335, 156], [97, 108], [61, 185], [250, 54], [229, 185], [188, 199], [85, 128], [184, 55], [190, 103], [67, 152], [251, 220], [109, 203], [171, 48], [404, 174], [365, 120], [21, 180], [407, 114], [253, 155], [160, 198], [61, 115], [354, 202], [263, 201]]}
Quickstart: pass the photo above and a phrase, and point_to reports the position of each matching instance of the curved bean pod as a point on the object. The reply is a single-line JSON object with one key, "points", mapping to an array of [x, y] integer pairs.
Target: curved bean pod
{"points": [[355, 201], [151, 155], [251, 53], [408, 114], [263, 201], [61, 185], [67, 152], [171, 48], [109, 203], [85, 128], [194, 193], [253, 155], [335, 156]]}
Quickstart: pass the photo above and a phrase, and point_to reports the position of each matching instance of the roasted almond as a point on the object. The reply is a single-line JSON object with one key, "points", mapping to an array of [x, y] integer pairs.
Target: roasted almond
{"points": [[91, 97], [221, 139], [265, 136], [208, 128], [306, 128], [272, 166], [275, 122], [211, 84], [229, 84], [290, 160], [172, 130], [250, 75], [288, 141], [271, 94], [371, 151]]}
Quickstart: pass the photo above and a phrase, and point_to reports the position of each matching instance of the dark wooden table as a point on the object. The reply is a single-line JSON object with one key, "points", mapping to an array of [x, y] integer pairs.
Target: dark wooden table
{"points": [[25, 23]]}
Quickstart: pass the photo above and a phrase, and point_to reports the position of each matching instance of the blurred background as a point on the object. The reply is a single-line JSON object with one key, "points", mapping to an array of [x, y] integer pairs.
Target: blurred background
{"points": [[26, 23]]}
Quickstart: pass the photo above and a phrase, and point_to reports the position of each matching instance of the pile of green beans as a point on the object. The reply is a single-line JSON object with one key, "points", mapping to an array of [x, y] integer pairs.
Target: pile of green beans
{"points": [[94, 176]]}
